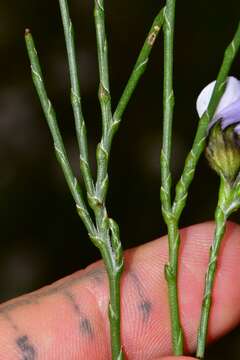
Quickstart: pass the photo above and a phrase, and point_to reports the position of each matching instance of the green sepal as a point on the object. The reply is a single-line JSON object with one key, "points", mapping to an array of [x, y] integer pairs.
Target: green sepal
{"points": [[223, 152]]}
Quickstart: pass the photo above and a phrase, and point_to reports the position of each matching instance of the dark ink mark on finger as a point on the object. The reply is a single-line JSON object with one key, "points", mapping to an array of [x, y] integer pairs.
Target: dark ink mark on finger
{"points": [[70, 297], [8, 318], [27, 350], [137, 284], [86, 327], [145, 307], [97, 274], [9, 306], [85, 324]]}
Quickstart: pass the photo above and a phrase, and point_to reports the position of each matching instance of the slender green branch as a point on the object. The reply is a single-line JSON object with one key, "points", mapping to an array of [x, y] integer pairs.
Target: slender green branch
{"points": [[108, 230], [166, 178], [76, 97], [168, 104], [223, 210], [102, 46], [140, 66], [104, 146], [200, 138], [171, 270], [108, 242], [57, 138]]}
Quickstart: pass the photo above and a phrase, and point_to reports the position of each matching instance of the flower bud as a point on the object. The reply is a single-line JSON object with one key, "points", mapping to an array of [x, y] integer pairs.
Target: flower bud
{"points": [[223, 152]]}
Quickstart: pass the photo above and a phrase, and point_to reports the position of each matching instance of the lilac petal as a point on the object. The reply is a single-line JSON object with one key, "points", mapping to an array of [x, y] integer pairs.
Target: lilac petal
{"points": [[231, 94], [237, 129], [228, 116], [231, 114]]}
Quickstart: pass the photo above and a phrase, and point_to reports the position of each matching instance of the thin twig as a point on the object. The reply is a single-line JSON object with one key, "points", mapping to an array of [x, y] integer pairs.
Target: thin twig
{"points": [[166, 178], [76, 97], [57, 138]]}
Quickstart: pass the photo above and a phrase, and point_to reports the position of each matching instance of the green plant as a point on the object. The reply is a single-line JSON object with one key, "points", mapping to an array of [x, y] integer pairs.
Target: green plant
{"points": [[103, 231]]}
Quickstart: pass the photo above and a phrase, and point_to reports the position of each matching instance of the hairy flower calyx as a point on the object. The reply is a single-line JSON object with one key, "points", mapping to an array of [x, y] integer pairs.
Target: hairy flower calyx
{"points": [[223, 152]]}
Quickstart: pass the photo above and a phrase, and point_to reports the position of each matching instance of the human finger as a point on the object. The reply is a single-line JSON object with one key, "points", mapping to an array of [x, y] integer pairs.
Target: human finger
{"points": [[68, 320]]}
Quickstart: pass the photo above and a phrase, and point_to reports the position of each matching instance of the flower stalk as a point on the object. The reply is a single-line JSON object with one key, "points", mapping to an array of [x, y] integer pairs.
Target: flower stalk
{"points": [[228, 202]]}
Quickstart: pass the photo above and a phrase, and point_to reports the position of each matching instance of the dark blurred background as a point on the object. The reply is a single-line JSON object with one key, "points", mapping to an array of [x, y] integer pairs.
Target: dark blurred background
{"points": [[42, 238]]}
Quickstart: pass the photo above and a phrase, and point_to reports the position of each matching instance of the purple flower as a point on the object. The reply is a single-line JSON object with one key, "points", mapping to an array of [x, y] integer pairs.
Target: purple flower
{"points": [[228, 110], [223, 148]]}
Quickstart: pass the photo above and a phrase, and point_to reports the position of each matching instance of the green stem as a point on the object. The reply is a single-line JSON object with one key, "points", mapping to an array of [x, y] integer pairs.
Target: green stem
{"points": [[76, 97], [111, 248], [226, 195], [114, 315], [171, 270], [168, 102], [60, 151], [102, 47], [140, 66], [114, 286], [166, 178]]}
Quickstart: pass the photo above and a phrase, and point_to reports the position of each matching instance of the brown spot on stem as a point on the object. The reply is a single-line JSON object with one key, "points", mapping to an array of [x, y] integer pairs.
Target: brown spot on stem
{"points": [[151, 38]]}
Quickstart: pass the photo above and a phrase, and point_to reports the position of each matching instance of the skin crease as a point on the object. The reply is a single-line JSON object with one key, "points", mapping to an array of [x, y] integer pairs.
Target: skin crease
{"points": [[68, 320]]}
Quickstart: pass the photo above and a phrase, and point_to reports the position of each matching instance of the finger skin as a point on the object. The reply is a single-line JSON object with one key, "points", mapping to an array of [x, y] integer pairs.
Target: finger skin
{"points": [[176, 358], [68, 320]]}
